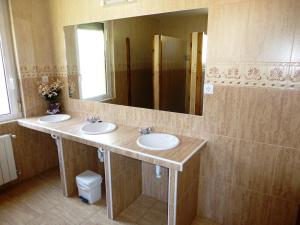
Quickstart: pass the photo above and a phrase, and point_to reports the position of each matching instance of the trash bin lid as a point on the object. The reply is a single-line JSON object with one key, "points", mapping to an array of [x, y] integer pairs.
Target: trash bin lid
{"points": [[89, 178]]}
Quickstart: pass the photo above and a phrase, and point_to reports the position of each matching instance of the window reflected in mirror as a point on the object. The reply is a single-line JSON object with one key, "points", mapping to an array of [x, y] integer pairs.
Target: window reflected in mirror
{"points": [[156, 61], [91, 61], [87, 71]]}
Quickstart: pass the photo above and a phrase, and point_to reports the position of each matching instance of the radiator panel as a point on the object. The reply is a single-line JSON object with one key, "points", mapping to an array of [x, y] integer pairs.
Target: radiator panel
{"points": [[8, 170]]}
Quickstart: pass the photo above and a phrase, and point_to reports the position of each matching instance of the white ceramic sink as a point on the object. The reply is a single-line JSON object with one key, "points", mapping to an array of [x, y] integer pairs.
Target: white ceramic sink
{"points": [[54, 118], [158, 141], [98, 128]]}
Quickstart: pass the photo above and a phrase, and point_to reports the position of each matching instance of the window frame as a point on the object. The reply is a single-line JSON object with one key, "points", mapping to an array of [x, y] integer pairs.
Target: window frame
{"points": [[9, 64]]}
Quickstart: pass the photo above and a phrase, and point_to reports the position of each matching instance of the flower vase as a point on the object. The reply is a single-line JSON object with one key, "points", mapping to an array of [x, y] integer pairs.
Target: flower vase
{"points": [[50, 92], [53, 105], [53, 108]]}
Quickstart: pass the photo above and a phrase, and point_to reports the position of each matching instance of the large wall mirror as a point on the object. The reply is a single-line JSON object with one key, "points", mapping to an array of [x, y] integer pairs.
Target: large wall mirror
{"points": [[156, 61]]}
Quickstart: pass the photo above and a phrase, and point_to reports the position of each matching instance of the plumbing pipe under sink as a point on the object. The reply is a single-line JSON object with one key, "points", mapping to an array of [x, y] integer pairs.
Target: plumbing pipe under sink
{"points": [[100, 152], [158, 171]]}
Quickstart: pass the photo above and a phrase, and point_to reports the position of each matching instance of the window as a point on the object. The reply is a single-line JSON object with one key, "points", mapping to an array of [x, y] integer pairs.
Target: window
{"points": [[4, 102], [94, 79], [9, 106]]}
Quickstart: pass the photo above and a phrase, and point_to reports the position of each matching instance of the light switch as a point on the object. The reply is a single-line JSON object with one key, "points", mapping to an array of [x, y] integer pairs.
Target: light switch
{"points": [[208, 89], [45, 79]]}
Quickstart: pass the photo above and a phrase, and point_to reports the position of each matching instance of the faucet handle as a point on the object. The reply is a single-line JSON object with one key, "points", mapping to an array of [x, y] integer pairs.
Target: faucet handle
{"points": [[89, 119], [93, 119], [144, 131]]}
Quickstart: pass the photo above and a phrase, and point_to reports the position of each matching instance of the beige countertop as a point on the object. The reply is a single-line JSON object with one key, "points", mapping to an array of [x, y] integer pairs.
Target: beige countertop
{"points": [[121, 141]]}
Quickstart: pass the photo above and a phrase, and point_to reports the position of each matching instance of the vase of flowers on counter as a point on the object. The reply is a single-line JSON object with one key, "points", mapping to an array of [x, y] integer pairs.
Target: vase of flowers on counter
{"points": [[50, 92]]}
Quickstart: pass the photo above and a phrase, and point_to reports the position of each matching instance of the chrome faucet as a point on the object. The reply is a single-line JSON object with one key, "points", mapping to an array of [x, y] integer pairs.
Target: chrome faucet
{"points": [[144, 131], [93, 119]]}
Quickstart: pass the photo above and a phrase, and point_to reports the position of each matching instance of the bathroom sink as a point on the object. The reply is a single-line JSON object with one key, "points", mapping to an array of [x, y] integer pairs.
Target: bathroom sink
{"points": [[98, 128], [54, 118], [158, 141]]}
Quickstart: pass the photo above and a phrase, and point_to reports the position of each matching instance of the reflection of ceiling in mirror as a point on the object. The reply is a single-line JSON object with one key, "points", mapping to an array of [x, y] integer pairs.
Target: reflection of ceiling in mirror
{"points": [[193, 12]]}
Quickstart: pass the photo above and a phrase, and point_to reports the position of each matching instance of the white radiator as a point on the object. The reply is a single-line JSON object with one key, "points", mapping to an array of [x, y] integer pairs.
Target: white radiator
{"points": [[8, 170]]}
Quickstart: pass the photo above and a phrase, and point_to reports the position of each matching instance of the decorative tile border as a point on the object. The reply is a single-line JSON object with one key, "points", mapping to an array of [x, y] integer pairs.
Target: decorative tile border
{"points": [[279, 75], [38, 71], [72, 70]]}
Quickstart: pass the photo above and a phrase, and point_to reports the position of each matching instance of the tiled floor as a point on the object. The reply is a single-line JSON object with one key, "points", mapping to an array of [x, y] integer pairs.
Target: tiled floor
{"points": [[39, 201]]}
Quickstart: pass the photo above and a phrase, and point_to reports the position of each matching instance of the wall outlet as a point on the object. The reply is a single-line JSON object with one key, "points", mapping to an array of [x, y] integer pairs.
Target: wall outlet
{"points": [[208, 89], [45, 79]]}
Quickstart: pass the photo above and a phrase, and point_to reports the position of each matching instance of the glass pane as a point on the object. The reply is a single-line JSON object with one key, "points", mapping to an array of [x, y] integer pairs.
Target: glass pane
{"points": [[4, 103], [91, 63]]}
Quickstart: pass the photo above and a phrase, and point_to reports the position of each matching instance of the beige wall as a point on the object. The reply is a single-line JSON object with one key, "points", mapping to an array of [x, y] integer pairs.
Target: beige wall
{"points": [[250, 168], [34, 48]]}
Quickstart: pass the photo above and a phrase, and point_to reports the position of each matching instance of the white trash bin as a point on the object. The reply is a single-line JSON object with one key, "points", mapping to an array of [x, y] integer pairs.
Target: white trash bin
{"points": [[89, 186]]}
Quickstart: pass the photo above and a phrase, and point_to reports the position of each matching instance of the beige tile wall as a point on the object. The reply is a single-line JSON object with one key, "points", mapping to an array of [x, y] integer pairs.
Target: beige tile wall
{"points": [[34, 49], [250, 169]]}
